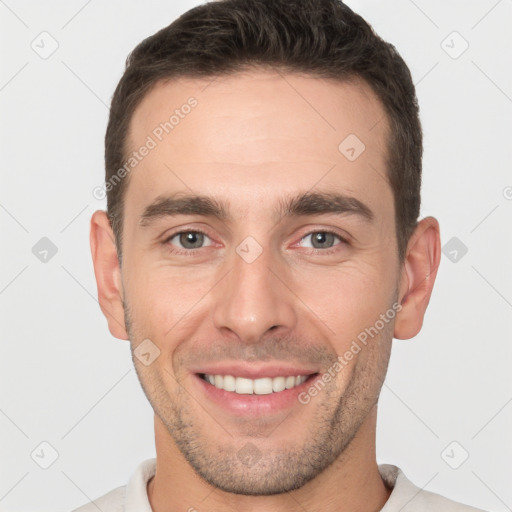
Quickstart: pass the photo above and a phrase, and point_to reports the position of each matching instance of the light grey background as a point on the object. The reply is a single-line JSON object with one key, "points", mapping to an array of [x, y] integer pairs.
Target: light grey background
{"points": [[67, 382]]}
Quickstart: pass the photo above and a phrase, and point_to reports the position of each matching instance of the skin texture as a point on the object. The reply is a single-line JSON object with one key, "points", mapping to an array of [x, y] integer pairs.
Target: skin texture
{"points": [[253, 139]]}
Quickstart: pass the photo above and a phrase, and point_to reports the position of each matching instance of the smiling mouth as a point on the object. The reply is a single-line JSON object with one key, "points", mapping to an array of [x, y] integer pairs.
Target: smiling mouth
{"points": [[261, 386]]}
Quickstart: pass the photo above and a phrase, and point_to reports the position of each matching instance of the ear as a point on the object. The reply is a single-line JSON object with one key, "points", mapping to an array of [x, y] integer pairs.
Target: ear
{"points": [[418, 274], [108, 273]]}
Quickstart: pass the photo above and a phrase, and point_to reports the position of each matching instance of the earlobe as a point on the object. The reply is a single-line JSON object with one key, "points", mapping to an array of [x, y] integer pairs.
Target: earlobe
{"points": [[419, 271], [107, 273]]}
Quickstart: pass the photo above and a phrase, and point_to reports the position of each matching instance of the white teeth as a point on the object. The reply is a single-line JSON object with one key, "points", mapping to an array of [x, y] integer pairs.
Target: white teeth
{"points": [[263, 386], [290, 382], [243, 386], [278, 384], [229, 383]]}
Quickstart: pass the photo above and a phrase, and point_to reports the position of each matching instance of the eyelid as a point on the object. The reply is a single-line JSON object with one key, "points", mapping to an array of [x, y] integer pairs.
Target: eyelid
{"points": [[342, 242], [171, 233], [181, 250], [342, 235]]}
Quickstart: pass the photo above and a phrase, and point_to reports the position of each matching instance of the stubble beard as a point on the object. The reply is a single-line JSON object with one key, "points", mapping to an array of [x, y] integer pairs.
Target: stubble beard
{"points": [[275, 469]]}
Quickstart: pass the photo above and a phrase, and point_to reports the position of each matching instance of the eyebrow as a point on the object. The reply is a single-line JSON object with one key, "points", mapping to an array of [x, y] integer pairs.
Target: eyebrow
{"points": [[308, 203], [182, 205]]}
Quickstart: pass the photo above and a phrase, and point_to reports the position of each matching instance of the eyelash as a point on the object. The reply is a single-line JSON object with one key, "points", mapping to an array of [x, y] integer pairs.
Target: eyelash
{"points": [[183, 252], [192, 252]]}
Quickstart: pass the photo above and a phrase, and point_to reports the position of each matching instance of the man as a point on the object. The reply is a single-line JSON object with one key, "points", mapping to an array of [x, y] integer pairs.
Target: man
{"points": [[260, 251]]}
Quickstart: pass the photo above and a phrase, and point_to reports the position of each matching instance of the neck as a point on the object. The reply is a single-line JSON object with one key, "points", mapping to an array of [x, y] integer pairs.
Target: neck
{"points": [[352, 482]]}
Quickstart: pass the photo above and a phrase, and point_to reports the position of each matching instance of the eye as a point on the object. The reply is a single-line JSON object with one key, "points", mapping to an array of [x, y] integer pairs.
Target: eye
{"points": [[322, 240], [189, 239]]}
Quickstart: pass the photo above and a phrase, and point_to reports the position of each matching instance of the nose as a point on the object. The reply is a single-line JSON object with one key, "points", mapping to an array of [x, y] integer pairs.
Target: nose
{"points": [[253, 299]]}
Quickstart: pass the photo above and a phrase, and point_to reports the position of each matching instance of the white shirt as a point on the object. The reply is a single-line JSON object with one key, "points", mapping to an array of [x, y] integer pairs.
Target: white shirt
{"points": [[405, 497]]}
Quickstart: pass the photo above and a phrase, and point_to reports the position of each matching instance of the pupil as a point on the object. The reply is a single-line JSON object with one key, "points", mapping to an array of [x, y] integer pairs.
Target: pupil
{"points": [[191, 240], [322, 238]]}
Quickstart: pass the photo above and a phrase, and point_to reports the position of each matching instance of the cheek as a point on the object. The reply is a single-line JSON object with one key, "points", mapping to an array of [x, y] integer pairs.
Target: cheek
{"points": [[347, 299], [163, 299]]}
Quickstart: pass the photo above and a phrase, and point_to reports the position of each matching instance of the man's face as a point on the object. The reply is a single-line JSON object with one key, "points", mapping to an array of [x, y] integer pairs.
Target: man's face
{"points": [[261, 292]]}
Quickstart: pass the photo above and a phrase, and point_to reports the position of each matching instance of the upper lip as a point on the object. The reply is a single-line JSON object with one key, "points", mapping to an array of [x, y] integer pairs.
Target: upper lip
{"points": [[252, 371]]}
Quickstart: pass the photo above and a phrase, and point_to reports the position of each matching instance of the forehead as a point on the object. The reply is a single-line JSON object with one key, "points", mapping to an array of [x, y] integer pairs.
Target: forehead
{"points": [[261, 133]]}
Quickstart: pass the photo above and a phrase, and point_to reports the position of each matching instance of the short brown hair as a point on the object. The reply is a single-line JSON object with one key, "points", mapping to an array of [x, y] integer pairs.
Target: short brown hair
{"points": [[323, 38]]}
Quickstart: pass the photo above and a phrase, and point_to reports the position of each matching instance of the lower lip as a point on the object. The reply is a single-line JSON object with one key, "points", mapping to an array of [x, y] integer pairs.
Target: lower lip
{"points": [[255, 405]]}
